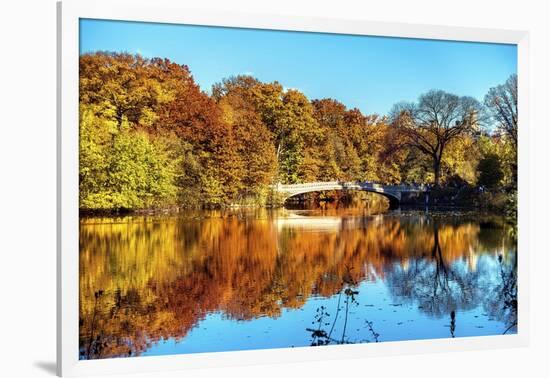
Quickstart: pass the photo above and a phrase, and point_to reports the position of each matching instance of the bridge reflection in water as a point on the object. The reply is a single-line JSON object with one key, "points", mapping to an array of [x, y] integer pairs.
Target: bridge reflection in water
{"points": [[248, 280]]}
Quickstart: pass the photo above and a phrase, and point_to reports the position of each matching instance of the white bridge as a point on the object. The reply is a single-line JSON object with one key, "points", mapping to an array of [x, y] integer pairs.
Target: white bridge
{"points": [[393, 192]]}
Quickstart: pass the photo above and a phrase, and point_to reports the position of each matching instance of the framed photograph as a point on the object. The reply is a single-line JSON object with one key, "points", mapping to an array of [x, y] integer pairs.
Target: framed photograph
{"points": [[242, 188]]}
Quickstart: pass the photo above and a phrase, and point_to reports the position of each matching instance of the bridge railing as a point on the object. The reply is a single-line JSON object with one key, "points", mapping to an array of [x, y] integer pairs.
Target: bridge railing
{"points": [[351, 185]]}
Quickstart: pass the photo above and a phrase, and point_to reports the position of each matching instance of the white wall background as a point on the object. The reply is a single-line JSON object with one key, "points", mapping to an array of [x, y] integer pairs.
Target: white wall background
{"points": [[27, 185]]}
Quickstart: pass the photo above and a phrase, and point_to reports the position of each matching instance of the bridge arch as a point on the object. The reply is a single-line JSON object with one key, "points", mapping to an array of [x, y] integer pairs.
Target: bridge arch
{"points": [[393, 199], [392, 192]]}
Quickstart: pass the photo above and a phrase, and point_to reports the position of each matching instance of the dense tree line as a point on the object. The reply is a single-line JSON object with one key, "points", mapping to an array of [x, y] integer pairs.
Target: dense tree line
{"points": [[151, 138]]}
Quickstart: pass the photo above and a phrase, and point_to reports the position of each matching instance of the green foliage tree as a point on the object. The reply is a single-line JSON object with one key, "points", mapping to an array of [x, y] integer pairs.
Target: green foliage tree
{"points": [[489, 171], [120, 169], [500, 146]]}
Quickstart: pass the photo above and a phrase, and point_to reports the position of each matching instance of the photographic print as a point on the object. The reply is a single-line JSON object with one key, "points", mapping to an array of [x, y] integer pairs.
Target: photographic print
{"points": [[245, 189]]}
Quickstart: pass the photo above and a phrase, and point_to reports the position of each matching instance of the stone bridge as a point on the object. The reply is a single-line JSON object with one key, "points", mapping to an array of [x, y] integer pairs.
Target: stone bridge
{"points": [[395, 193]]}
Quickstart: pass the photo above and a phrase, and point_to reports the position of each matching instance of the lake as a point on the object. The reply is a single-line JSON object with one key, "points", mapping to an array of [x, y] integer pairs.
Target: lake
{"points": [[241, 279]]}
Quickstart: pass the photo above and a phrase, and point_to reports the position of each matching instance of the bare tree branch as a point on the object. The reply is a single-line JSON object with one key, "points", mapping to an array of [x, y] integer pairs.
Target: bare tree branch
{"points": [[437, 118]]}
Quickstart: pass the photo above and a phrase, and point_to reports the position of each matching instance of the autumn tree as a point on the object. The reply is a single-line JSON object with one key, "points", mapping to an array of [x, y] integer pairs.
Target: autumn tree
{"points": [[254, 141], [351, 141], [298, 132], [150, 137], [461, 158], [433, 122], [286, 115], [121, 83]]}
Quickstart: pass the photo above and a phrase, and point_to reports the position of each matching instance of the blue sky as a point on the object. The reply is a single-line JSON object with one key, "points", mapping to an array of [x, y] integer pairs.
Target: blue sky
{"points": [[370, 73]]}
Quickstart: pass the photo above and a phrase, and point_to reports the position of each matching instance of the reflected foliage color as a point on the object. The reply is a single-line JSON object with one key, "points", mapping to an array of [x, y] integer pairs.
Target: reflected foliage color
{"points": [[145, 279]]}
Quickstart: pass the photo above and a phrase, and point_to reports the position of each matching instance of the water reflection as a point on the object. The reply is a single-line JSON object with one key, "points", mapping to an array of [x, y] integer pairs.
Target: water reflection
{"points": [[259, 279]]}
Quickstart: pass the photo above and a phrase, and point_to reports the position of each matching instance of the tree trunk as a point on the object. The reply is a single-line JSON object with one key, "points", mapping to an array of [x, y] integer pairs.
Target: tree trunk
{"points": [[278, 156], [437, 171]]}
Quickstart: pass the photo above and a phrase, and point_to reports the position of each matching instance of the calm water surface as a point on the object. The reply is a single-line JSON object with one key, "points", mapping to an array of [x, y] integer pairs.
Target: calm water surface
{"points": [[224, 281]]}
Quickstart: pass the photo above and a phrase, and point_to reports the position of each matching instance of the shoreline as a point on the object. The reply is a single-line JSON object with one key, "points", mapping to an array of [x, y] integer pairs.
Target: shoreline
{"points": [[171, 211]]}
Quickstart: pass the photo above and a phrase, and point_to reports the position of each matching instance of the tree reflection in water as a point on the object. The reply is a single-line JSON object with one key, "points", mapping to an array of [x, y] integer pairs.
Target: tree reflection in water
{"points": [[441, 287], [146, 279], [503, 305]]}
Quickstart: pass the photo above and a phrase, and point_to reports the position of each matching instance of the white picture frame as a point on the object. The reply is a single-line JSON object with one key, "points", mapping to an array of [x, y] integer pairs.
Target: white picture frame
{"points": [[165, 11]]}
